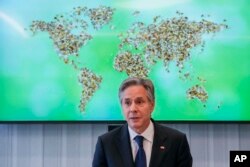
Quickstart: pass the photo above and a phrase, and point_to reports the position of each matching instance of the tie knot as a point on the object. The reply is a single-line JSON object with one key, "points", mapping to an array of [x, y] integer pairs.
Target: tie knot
{"points": [[139, 140]]}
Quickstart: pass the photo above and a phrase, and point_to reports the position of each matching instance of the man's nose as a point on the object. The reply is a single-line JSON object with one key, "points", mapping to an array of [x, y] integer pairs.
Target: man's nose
{"points": [[133, 107]]}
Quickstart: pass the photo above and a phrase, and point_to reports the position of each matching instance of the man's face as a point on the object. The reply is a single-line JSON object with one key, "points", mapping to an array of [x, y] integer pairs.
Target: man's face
{"points": [[137, 108]]}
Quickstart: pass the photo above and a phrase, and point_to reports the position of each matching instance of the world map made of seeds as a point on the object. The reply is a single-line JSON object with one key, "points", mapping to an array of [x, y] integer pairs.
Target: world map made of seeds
{"points": [[140, 48]]}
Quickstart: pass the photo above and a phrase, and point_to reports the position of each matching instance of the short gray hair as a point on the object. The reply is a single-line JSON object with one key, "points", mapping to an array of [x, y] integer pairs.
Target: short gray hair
{"points": [[146, 83]]}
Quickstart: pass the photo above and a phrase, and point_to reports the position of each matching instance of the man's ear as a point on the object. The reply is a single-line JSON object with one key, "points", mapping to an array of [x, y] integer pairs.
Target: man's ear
{"points": [[153, 106]]}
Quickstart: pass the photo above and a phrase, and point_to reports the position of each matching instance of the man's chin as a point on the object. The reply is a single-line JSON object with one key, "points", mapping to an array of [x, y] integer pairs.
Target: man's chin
{"points": [[134, 121], [135, 124]]}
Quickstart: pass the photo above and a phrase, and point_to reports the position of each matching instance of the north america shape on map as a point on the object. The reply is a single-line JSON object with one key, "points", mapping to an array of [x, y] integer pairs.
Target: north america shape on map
{"points": [[141, 46]]}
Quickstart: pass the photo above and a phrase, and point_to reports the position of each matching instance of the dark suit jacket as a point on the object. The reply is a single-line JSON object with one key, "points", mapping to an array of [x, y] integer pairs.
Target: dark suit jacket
{"points": [[113, 149]]}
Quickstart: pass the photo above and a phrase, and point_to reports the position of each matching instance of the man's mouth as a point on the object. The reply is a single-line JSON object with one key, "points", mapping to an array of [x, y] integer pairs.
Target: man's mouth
{"points": [[134, 118]]}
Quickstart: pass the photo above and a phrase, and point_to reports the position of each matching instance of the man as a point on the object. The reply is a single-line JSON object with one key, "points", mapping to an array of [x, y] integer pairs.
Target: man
{"points": [[141, 142]]}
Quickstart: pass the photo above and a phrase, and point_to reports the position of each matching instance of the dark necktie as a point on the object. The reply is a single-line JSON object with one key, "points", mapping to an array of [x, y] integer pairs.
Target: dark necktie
{"points": [[140, 159]]}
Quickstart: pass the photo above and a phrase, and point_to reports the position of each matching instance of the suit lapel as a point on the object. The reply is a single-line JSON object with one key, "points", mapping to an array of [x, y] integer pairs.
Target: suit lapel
{"points": [[124, 146], [159, 148]]}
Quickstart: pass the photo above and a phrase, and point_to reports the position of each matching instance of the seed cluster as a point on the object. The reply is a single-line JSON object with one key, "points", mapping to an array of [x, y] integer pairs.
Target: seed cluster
{"points": [[90, 83], [100, 16], [133, 65], [166, 40], [197, 91], [69, 32], [66, 43]]}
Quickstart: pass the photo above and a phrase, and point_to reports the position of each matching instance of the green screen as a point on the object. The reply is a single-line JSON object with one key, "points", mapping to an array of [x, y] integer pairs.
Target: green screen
{"points": [[65, 60]]}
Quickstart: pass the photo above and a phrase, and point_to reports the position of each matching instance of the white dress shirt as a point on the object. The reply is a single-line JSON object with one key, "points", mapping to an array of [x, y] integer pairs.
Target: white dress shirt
{"points": [[148, 135]]}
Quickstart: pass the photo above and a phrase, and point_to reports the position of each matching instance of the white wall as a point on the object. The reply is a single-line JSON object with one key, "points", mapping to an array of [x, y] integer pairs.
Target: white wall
{"points": [[72, 145]]}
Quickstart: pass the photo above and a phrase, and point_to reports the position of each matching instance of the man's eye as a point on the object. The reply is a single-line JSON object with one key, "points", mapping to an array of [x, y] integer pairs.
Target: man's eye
{"points": [[139, 102], [127, 103]]}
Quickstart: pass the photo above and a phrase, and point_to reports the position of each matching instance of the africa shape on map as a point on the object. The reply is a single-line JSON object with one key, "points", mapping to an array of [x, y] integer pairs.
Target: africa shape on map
{"points": [[141, 46]]}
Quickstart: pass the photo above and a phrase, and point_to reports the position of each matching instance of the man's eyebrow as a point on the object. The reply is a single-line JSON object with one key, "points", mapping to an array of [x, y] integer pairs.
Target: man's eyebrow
{"points": [[139, 98]]}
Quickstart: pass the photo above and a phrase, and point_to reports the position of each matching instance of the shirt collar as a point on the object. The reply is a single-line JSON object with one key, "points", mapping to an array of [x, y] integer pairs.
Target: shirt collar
{"points": [[148, 134]]}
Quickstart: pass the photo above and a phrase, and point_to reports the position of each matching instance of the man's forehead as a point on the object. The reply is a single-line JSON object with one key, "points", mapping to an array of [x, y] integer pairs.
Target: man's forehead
{"points": [[134, 97], [134, 92]]}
